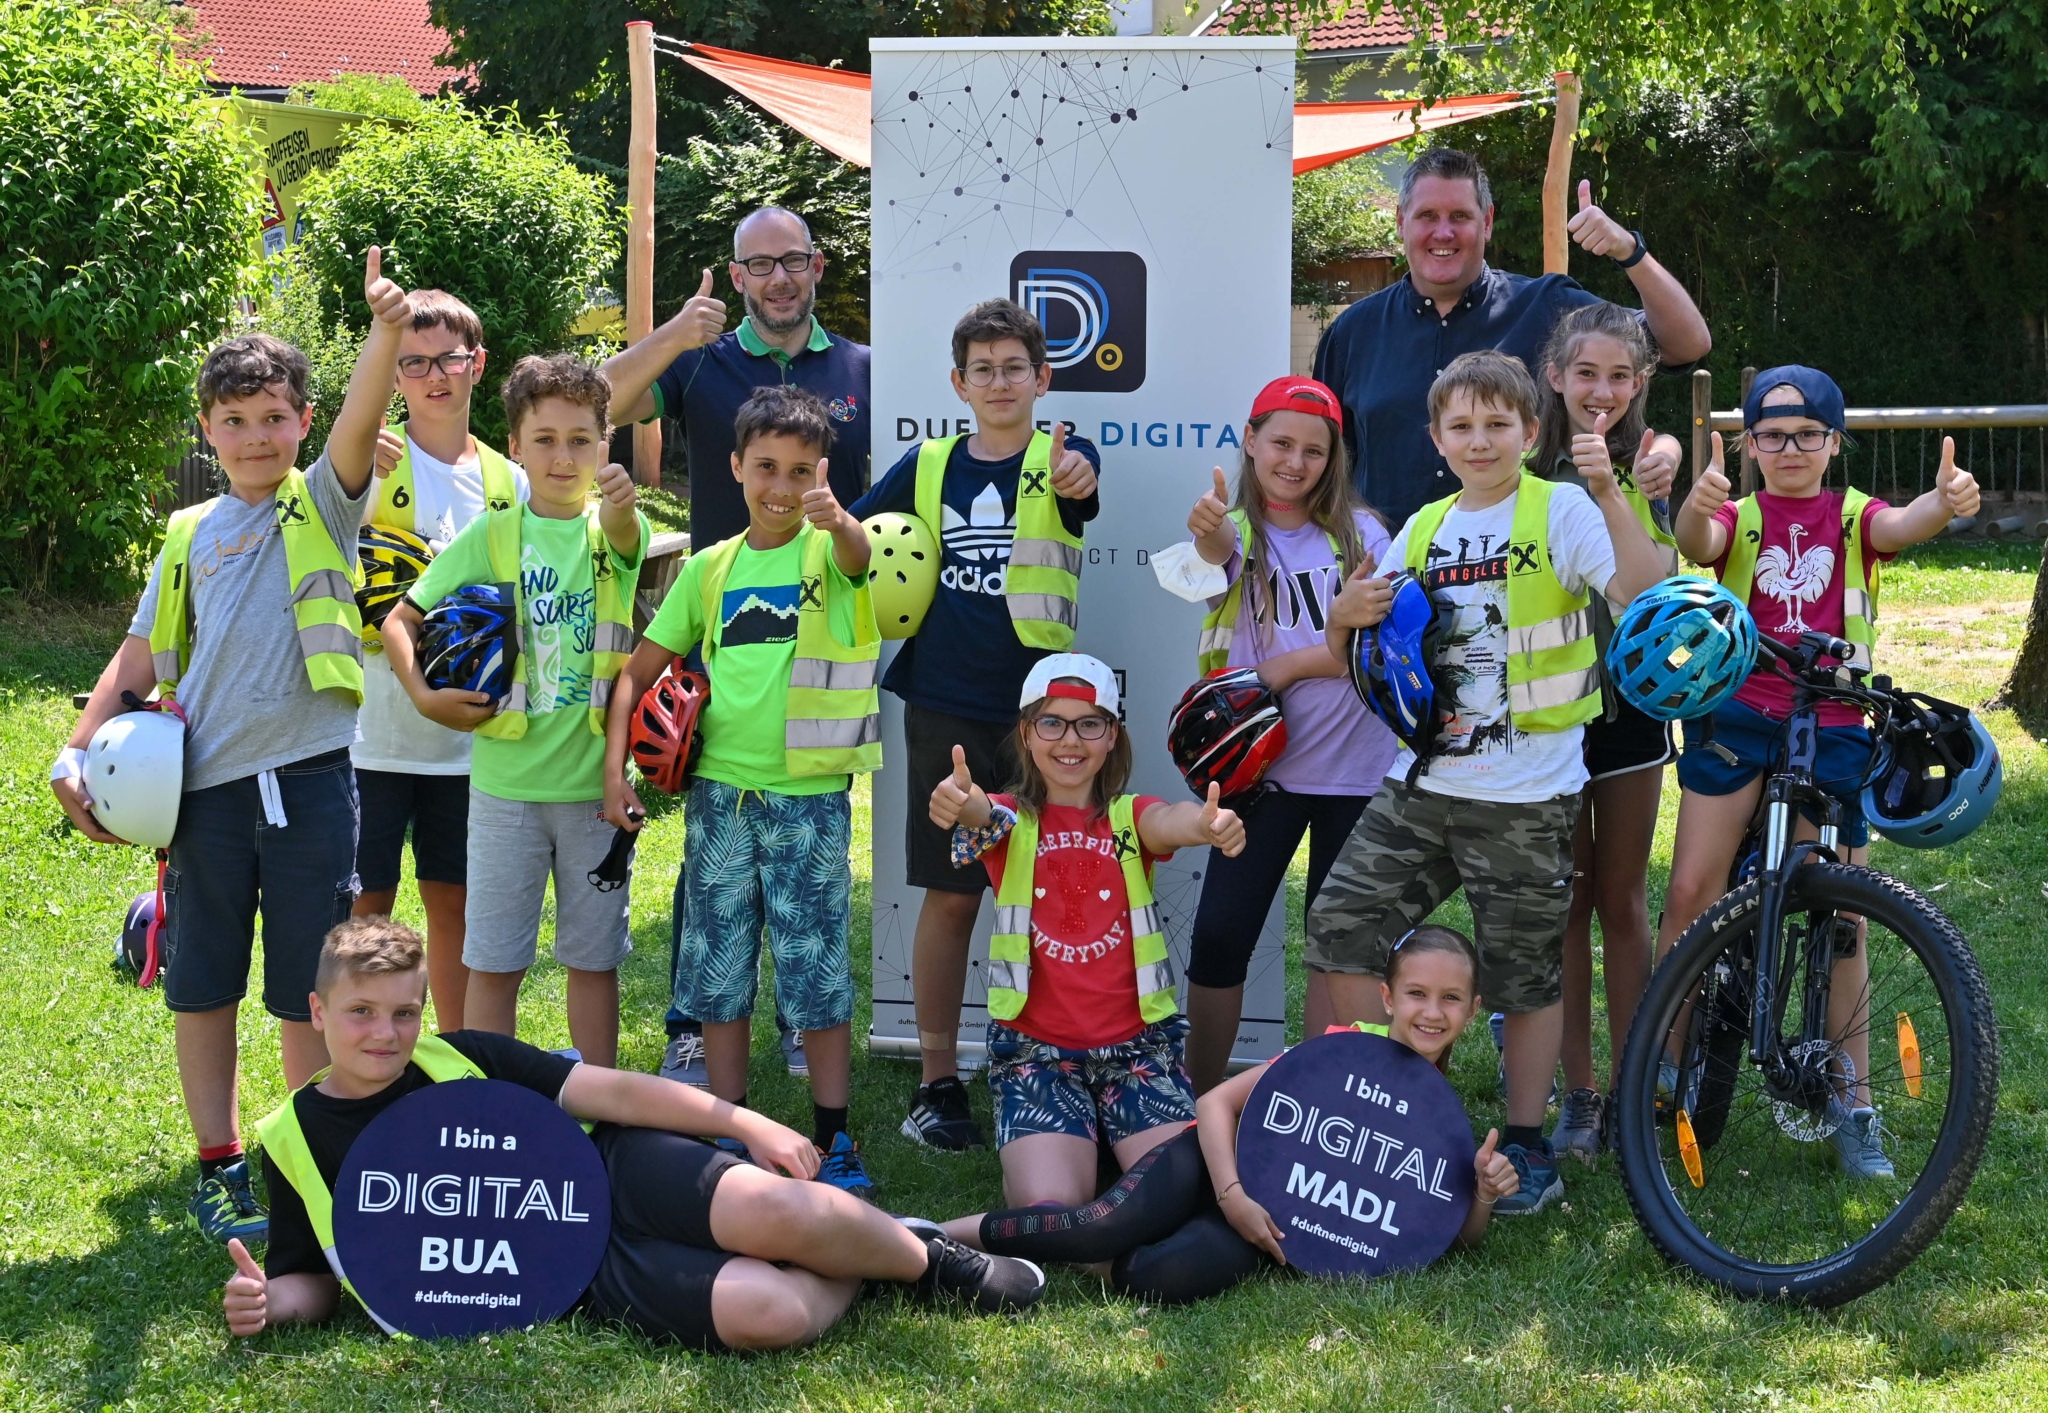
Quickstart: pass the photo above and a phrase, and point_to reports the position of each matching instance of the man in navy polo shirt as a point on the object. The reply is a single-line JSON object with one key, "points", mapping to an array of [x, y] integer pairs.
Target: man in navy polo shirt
{"points": [[1381, 354]]}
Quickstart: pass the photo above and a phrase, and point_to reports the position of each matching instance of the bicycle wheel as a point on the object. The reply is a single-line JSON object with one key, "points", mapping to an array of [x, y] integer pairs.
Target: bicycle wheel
{"points": [[1759, 1203]]}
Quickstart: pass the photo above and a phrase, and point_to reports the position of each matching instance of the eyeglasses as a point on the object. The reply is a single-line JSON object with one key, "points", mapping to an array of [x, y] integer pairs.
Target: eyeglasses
{"points": [[980, 375], [1806, 439], [415, 365], [761, 266], [1092, 727]]}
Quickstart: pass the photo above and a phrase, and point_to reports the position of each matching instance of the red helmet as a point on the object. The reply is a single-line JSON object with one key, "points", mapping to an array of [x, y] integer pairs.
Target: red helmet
{"points": [[663, 737], [1227, 731]]}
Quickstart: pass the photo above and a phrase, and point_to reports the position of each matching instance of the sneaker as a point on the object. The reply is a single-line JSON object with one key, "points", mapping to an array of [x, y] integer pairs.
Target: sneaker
{"points": [[1541, 1180], [1859, 1138], [1497, 1024], [793, 1052], [990, 1284], [939, 1117], [923, 1228], [1578, 1126], [683, 1061], [569, 1052], [841, 1166], [734, 1147], [224, 1206]]}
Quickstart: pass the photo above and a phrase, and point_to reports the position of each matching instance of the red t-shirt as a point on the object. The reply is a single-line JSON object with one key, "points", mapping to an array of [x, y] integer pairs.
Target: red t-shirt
{"points": [[1801, 567], [1084, 986]]}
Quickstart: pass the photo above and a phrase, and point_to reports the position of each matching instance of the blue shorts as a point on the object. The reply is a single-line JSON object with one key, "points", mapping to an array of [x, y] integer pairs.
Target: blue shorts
{"points": [[755, 859], [1110, 1093], [1757, 743]]}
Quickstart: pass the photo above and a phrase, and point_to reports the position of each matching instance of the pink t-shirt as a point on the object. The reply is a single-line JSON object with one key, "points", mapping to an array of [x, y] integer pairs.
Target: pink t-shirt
{"points": [[1801, 565]]}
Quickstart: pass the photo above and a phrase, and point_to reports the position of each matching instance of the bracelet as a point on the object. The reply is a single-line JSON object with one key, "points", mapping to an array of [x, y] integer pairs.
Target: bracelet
{"points": [[69, 765], [1636, 257], [1487, 1201], [1227, 1191]]}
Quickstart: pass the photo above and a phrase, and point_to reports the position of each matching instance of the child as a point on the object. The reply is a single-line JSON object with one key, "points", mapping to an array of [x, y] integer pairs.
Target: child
{"points": [[1793, 418], [789, 639], [705, 1250], [250, 621], [536, 796], [1179, 1226], [1084, 1037], [434, 478], [1009, 505], [1296, 533], [1596, 381], [1515, 560]]}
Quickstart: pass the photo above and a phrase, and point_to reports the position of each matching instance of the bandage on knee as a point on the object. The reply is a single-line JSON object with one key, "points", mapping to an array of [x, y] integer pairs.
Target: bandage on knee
{"points": [[935, 1040]]}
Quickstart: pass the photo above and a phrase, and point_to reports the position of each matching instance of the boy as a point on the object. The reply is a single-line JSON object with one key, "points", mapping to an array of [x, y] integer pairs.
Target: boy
{"points": [[433, 479], [787, 1259], [250, 621], [1794, 420], [1009, 505], [789, 639], [537, 772], [1512, 562]]}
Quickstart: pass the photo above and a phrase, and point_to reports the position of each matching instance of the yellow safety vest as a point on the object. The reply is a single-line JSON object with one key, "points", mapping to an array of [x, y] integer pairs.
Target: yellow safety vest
{"points": [[1009, 949], [396, 492], [613, 640], [1553, 661], [1219, 625], [1043, 584], [832, 714], [1624, 477], [1859, 582], [323, 584]]}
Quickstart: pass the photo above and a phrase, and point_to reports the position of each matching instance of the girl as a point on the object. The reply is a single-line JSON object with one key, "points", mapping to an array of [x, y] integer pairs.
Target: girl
{"points": [[1084, 1036], [1597, 369], [1179, 1226], [1293, 536]]}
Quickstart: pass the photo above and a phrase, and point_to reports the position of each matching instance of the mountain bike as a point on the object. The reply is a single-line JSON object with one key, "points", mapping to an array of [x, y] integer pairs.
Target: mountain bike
{"points": [[1742, 1062]]}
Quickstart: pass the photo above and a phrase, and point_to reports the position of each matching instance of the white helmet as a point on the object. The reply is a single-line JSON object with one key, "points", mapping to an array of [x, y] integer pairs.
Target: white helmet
{"points": [[135, 772]]}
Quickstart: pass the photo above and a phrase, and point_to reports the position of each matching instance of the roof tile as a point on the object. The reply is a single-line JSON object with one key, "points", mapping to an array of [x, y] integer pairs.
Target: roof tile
{"points": [[275, 43]]}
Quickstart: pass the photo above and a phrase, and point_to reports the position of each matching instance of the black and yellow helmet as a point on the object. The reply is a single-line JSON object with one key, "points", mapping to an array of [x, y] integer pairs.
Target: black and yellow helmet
{"points": [[392, 559]]}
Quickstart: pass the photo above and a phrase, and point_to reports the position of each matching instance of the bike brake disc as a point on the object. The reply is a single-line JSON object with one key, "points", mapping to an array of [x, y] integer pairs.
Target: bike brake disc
{"points": [[1800, 1123]]}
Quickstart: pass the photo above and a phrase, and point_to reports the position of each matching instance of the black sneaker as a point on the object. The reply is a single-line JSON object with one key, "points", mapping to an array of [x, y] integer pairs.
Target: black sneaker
{"points": [[939, 1117], [992, 1285]]}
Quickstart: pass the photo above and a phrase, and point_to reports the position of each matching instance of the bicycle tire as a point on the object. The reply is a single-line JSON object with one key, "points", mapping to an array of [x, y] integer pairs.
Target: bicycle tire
{"points": [[1919, 1216]]}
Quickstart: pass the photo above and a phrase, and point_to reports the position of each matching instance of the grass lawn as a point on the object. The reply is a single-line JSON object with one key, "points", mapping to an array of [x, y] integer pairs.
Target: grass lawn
{"points": [[108, 1300]]}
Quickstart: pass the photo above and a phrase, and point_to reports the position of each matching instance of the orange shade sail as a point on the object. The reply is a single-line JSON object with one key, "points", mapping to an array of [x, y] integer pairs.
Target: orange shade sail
{"points": [[1325, 133]]}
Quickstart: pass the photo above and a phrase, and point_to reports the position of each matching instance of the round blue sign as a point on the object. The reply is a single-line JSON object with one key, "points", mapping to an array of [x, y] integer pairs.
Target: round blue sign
{"points": [[471, 1206], [1361, 1152]]}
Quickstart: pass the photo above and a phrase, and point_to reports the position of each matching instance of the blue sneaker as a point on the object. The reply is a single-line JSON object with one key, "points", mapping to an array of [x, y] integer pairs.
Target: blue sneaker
{"points": [[734, 1147], [793, 1057], [224, 1207], [841, 1166], [1859, 1139], [1541, 1181], [1497, 1024]]}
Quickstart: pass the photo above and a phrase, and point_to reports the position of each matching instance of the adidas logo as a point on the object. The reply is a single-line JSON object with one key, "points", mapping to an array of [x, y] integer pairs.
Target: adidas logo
{"points": [[985, 534]]}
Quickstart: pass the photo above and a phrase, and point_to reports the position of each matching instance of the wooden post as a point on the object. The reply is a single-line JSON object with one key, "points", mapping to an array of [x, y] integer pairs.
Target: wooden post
{"points": [[1557, 178], [1702, 418], [640, 230], [1747, 486]]}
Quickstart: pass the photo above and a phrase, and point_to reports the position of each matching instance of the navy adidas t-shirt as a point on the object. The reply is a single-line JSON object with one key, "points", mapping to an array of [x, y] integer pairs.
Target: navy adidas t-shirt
{"points": [[966, 659]]}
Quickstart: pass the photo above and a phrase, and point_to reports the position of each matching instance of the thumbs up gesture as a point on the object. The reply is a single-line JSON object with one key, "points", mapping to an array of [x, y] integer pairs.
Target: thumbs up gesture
{"points": [[1365, 599], [952, 796], [1710, 488], [246, 1299], [702, 317], [1598, 233], [1212, 509], [1957, 487], [1656, 467], [1221, 828], [1590, 456], [1073, 476], [1495, 1175], [388, 303]]}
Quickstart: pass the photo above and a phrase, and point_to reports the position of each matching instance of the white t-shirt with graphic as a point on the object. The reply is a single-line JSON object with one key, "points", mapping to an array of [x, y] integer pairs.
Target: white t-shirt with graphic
{"points": [[1479, 754]]}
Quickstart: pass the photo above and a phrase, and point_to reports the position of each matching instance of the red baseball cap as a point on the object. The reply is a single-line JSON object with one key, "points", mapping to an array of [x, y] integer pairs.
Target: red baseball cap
{"points": [[1299, 395]]}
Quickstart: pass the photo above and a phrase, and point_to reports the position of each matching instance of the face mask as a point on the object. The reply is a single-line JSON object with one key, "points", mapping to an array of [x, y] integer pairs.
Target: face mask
{"points": [[1183, 573]]}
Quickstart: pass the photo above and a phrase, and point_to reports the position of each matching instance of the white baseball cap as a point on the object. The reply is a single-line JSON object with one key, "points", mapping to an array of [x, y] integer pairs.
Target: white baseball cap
{"points": [[1100, 691]]}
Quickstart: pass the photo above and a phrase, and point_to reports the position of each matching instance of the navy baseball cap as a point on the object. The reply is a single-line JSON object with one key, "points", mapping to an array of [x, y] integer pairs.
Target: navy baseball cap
{"points": [[1820, 399]]}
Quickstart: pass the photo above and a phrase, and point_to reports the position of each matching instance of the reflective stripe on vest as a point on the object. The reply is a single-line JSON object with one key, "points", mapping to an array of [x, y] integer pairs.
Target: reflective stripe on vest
{"points": [[1009, 948], [1219, 625], [323, 594], [611, 641], [1042, 586], [396, 493], [1553, 661], [1859, 579], [832, 714]]}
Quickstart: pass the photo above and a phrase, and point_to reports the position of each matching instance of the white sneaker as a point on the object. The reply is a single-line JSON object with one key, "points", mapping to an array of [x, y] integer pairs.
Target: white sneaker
{"points": [[683, 1061]]}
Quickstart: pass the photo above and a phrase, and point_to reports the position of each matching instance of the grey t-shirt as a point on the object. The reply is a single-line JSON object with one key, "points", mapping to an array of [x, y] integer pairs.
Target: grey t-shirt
{"points": [[249, 706]]}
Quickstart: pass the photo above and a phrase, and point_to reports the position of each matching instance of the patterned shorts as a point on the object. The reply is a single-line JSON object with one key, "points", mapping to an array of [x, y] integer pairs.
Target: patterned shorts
{"points": [[1112, 1092], [1413, 848]]}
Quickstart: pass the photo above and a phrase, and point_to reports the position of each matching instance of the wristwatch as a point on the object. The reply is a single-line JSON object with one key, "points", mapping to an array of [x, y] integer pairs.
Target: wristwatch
{"points": [[1635, 257]]}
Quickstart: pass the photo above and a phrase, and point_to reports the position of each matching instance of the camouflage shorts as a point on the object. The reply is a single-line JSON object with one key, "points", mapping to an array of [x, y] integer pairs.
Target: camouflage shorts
{"points": [[1413, 848]]}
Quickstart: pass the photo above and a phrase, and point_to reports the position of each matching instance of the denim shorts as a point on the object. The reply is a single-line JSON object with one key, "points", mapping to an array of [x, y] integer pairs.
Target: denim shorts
{"points": [[1111, 1092], [1757, 743]]}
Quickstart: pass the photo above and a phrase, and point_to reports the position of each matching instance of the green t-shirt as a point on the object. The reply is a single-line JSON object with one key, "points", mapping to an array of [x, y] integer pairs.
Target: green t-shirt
{"points": [[754, 643], [559, 757]]}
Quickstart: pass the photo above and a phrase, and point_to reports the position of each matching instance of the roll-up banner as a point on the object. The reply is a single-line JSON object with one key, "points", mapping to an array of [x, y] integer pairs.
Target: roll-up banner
{"points": [[1136, 194]]}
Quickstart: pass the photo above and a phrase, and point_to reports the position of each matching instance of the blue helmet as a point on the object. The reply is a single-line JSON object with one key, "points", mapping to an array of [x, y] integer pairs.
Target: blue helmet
{"points": [[466, 642], [1390, 664], [1936, 781], [1681, 648]]}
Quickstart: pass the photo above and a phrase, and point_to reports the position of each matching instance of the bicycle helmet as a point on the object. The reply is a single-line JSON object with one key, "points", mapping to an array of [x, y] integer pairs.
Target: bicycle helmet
{"points": [[135, 775], [903, 572], [137, 951], [1390, 664], [663, 736], [392, 561], [1226, 731], [1936, 780], [467, 642], [1681, 648]]}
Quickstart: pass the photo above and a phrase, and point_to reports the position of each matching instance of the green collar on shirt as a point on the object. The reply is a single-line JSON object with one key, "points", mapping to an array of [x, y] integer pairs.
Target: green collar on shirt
{"points": [[754, 344]]}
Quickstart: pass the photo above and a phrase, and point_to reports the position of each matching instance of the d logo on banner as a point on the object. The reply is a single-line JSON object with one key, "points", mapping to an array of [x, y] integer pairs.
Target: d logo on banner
{"points": [[1361, 1152], [471, 1206]]}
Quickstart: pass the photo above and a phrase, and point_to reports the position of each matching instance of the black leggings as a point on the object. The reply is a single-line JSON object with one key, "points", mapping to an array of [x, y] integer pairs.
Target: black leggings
{"points": [[1160, 1227], [1236, 892]]}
